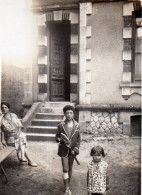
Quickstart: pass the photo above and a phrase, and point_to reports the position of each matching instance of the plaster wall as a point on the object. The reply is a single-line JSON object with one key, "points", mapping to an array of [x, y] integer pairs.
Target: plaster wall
{"points": [[106, 45], [13, 86]]}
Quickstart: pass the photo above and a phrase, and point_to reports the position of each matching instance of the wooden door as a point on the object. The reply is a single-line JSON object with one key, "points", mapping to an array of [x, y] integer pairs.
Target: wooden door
{"points": [[59, 61]]}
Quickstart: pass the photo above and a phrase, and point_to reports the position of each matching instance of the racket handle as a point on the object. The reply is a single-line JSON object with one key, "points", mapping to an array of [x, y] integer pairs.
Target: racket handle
{"points": [[77, 161]]}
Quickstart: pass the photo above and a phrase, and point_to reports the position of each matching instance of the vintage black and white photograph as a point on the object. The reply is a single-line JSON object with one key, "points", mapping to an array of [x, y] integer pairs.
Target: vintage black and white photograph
{"points": [[70, 94]]}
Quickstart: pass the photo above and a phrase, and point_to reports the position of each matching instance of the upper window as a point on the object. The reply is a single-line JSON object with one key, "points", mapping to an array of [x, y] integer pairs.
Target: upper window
{"points": [[136, 45]]}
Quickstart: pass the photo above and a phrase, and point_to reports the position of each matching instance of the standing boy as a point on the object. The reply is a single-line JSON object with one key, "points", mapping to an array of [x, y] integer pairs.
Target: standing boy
{"points": [[69, 148]]}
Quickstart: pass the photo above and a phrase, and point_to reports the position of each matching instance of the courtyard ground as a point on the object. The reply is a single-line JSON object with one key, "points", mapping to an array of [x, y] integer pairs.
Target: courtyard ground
{"points": [[123, 157]]}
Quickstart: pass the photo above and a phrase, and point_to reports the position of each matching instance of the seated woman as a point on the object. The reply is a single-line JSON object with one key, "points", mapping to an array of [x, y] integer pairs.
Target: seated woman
{"points": [[12, 135]]}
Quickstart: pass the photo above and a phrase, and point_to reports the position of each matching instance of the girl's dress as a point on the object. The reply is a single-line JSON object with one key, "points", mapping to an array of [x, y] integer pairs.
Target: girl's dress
{"points": [[97, 173]]}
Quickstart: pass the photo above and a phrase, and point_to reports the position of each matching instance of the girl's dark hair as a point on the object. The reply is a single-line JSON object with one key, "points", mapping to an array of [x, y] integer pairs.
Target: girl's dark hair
{"points": [[97, 150], [68, 107], [6, 104]]}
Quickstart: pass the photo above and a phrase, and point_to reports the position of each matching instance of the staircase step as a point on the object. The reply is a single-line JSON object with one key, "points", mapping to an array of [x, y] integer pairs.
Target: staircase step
{"points": [[49, 116], [58, 104], [51, 110], [44, 122], [40, 137], [42, 129], [54, 107]]}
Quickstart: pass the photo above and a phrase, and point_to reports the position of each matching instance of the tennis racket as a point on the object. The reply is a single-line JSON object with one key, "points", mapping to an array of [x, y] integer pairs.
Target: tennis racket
{"points": [[67, 143]]}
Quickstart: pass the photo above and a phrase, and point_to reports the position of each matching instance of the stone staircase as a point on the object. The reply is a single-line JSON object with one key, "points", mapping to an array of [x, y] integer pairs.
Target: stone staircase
{"points": [[44, 126]]}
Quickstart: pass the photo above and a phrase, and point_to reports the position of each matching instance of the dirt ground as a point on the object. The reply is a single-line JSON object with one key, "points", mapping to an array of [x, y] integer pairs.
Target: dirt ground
{"points": [[123, 157]]}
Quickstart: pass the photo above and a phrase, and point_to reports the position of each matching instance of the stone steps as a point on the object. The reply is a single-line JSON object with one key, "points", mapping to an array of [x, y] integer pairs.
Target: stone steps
{"points": [[50, 110], [44, 126], [42, 129], [40, 137], [49, 116], [44, 122]]}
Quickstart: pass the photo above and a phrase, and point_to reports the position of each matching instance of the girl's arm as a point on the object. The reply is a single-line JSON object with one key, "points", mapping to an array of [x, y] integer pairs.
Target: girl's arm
{"points": [[87, 182], [107, 182], [87, 177]]}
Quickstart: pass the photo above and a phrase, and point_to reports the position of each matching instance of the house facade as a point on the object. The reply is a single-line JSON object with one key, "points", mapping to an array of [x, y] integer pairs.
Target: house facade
{"points": [[89, 53]]}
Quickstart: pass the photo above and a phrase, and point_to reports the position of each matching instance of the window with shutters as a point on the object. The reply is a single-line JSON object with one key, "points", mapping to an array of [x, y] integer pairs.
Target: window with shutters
{"points": [[132, 50], [136, 45]]}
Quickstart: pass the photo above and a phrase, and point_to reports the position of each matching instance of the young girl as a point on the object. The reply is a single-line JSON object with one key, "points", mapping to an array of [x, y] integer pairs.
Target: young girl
{"points": [[97, 177]]}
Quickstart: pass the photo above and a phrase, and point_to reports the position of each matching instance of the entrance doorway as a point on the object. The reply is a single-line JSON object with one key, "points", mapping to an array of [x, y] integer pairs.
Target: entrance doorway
{"points": [[136, 125], [59, 57]]}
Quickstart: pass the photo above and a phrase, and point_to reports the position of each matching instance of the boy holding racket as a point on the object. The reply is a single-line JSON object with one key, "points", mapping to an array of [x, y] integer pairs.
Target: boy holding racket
{"points": [[68, 136]]}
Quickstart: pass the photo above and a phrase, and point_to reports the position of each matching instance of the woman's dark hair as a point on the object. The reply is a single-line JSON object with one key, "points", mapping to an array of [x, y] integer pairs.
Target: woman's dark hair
{"points": [[68, 107], [6, 104], [97, 150]]}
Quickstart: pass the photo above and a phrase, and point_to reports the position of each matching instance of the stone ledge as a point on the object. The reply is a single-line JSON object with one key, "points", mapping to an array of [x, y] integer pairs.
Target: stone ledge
{"points": [[130, 88], [130, 85], [87, 137], [108, 107], [39, 9]]}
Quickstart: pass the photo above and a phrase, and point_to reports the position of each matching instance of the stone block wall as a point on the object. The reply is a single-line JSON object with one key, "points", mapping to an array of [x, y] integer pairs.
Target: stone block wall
{"points": [[104, 124]]}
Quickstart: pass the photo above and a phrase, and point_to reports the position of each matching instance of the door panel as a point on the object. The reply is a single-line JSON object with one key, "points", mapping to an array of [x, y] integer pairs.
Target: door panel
{"points": [[59, 61], [57, 67]]}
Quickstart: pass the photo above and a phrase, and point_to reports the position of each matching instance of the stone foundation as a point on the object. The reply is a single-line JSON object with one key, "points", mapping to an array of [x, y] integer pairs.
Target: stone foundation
{"points": [[103, 124], [107, 120]]}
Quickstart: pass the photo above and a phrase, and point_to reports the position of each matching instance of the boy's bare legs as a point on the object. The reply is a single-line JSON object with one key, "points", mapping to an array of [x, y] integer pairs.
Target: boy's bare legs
{"points": [[65, 165], [71, 160], [66, 184]]}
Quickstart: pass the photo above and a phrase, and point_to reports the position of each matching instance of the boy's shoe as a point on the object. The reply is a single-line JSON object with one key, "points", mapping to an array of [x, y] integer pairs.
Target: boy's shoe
{"points": [[32, 164], [67, 192]]}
